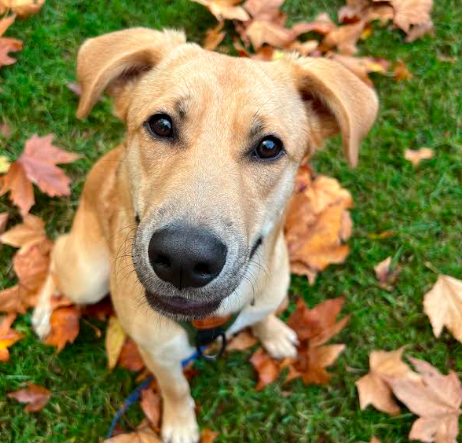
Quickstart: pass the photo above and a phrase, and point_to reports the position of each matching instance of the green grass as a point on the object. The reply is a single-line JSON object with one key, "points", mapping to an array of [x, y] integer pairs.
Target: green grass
{"points": [[421, 206]]}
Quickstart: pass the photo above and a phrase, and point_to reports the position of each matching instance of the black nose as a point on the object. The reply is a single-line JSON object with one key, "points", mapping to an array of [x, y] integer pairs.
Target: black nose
{"points": [[186, 256]]}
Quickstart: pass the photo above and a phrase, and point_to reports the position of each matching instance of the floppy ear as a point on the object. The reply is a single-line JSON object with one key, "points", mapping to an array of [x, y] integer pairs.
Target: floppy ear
{"points": [[336, 100], [111, 62]]}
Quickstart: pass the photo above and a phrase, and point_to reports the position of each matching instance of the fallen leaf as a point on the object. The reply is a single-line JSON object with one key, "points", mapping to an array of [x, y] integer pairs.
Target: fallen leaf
{"points": [[101, 310], [4, 164], [75, 88], [64, 327], [8, 45], [420, 31], [208, 436], [130, 357], [213, 37], [443, 305], [386, 275], [304, 48], [23, 8], [373, 388], [344, 38], [8, 336], [411, 12], [20, 188], [267, 368], [144, 435], [27, 234], [401, 71], [150, 405], [416, 156], [6, 22], [225, 9], [322, 24], [265, 10], [274, 34], [115, 338], [242, 341], [36, 397], [435, 398], [3, 222]]}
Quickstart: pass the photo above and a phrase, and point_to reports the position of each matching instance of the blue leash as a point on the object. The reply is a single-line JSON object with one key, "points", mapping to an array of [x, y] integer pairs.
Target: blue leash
{"points": [[136, 394]]}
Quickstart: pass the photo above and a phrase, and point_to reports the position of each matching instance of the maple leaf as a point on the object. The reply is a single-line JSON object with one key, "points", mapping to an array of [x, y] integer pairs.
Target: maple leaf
{"points": [[225, 9], [267, 369], [374, 389], [411, 12], [8, 336], [143, 435], [21, 190], [344, 38], [435, 398], [36, 397], [242, 341], [386, 275], [214, 36], [150, 405], [115, 338], [416, 156], [130, 357], [8, 45], [208, 436], [23, 8], [443, 305], [260, 32], [64, 327]]}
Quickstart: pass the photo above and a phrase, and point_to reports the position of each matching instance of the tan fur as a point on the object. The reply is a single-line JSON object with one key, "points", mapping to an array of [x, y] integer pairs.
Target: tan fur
{"points": [[207, 179]]}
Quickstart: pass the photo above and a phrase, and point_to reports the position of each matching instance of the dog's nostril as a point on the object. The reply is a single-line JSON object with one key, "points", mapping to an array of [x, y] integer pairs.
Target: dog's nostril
{"points": [[162, 261], [203, 269]]}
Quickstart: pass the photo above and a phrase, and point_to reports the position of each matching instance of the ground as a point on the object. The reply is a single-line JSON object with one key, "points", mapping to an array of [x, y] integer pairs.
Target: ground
{"points": [[421, 206]]}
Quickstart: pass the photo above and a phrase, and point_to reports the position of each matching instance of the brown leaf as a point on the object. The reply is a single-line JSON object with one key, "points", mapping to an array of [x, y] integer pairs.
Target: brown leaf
{"points": [[344, 38], [267, 369], [20, 188], [322, 24], [64, 327], [420, 31], [3, 221], [36, 397], [115, 338], [411, 12], [401, 71], [373, 388], [260, 32], [436, 398], [8, 336], [208, 436], [130, 358], [23, 8], [144, 435], [265, 10], [385, 274], [443, 305], [6, 22], [150, 405], [8, 45], [242, 341], [39, 161], [214, 36], [416, 156], [225, 9]]}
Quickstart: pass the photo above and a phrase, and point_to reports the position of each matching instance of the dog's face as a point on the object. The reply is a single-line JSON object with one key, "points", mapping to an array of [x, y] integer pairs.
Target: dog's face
{"points": [[212, 150]]}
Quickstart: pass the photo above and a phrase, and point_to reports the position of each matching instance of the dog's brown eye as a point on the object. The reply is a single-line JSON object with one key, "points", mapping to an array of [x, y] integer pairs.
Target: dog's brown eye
{"points": [[160, 125], [268, 148]]}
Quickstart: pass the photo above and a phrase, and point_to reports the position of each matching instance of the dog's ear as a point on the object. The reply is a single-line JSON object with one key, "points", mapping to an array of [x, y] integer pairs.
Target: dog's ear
{"points": [[336, 100], [111, 62]]}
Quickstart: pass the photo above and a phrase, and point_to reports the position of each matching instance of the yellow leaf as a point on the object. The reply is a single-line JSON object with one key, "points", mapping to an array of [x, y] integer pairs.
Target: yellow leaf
{"points": [[115, 338], [4, 164]]}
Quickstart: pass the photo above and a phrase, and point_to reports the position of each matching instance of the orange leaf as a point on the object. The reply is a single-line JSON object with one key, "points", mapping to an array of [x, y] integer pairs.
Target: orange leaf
{"points": [[8, 45], [213, 37], [64, 327], [150, 405], [242, 341], [20, 188], [344, 38], [267, 369], [401, 71], [29, 233], [36, 397], [130, 358], [5, 23], [225, 9], [8, 336], [208, 436]]}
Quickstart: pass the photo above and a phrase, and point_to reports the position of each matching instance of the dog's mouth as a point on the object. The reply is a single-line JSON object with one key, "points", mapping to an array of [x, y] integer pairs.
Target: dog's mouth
{"points": [[182, 307]]}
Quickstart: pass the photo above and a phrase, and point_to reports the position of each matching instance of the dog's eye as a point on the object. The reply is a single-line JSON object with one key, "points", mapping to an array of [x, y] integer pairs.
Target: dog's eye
{"points": [[160, 125], [268, 148]]}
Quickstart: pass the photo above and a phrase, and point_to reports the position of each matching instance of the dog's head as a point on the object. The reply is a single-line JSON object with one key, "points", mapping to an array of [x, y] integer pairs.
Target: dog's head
{"points": [[213, 146]]}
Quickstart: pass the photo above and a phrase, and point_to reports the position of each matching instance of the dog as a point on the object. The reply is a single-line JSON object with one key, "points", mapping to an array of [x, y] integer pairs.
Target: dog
{"points": [[184, 220]]}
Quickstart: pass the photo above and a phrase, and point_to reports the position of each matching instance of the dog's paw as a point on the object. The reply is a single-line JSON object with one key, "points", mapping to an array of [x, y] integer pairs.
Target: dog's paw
{"points": [[277, 338], [41, 321], [180, 426]]}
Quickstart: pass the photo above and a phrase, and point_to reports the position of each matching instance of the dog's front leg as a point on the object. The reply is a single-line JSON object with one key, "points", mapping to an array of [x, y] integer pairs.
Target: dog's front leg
{"points": [[179, 423]]}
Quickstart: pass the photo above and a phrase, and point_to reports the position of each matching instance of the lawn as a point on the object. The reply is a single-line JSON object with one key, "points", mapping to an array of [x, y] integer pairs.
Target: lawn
{"points": [[421, 206]]}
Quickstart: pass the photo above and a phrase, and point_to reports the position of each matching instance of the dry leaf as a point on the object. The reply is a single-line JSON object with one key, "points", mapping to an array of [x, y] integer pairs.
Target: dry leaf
{"points": [[150, 405], [225, 9], [213, 37], [64, 327], [401, 71], [385, 274], [23, 8], [322, 24], [144, 435], [436, 398], [4, 164], [3, 222], [242, 341], [6, 22], [416, 156], [27, 234], [420, 31], [373, 388], [265, 10], [260, 32], [115, 338], [75, 88], [411, 12], [20, 188], [8, 336], [8, 45], [344, 38], [208, 436], [443, 305], [267, 368], [36, 397], [130, 358]]}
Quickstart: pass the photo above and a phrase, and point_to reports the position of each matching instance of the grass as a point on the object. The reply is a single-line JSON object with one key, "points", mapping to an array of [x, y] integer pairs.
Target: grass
{"points": [[421, 206]]}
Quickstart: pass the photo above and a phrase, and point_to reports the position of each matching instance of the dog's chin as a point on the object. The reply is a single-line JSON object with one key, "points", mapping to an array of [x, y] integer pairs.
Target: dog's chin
{"points": [[180, 308]]}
